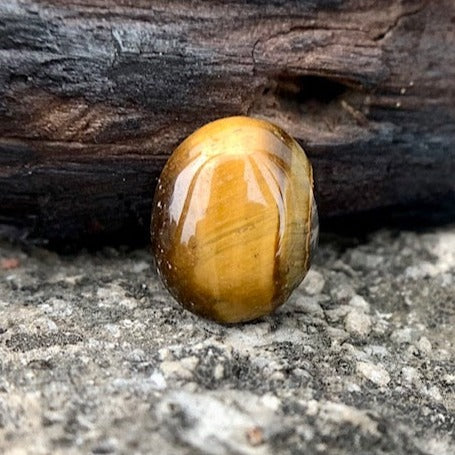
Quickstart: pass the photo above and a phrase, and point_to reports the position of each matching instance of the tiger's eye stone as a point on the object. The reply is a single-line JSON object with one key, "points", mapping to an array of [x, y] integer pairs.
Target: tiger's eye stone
{"points": [[234, 219]]}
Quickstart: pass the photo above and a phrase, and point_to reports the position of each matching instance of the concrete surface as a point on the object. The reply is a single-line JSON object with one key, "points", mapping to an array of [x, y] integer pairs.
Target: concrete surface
{"points": [[96, 358]]}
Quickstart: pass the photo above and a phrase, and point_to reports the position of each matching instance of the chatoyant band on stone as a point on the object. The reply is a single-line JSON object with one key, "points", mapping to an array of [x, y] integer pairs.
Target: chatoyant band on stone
{"points": [[234, 221]]}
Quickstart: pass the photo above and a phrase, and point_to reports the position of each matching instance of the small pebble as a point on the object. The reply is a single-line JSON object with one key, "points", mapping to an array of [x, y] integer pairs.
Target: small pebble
{"points": [[106, 446], [352, 387], [377, 374], [44, 325], [411, 376], [360, 303], [9, 263], [434, 393], [255, 436], [367, 261], [140, 267], [402, 336], [337, 334], [137, 355], [358, 323], [424, 345], [449, 379], [179, 368], [313, 283], [342, 292], [423, 270], [218, 372], [310, 305], [337, 313], [157, 380]]}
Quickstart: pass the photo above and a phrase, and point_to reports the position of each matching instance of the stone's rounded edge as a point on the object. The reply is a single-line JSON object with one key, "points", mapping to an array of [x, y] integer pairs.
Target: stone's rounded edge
{"points": [[314, 230], [314, 220], [214, 128], [237, 121], [183, 153]]}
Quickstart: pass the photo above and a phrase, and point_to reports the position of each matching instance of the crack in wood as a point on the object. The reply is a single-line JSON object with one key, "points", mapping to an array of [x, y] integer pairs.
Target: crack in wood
{"points": [[396, 22]]}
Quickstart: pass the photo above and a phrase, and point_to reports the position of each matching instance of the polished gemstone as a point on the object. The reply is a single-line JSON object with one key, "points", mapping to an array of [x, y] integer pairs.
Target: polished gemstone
{"points": [[234, 219]]}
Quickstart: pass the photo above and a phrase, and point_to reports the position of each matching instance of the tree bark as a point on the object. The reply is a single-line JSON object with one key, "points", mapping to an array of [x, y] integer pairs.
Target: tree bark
{"points": [[95, 94]]}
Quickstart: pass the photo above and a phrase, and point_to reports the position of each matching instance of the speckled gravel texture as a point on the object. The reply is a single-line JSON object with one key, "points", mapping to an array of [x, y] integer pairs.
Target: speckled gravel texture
{"points": [[95, 357]]}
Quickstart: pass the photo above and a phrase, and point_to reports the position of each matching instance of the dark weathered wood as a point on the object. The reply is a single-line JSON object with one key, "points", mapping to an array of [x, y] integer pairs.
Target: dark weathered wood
{"points": [[95, 94]]}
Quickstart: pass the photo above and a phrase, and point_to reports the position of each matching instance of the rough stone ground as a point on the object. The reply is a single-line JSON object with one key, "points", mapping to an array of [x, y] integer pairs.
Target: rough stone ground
{"points": [[96, 358]]}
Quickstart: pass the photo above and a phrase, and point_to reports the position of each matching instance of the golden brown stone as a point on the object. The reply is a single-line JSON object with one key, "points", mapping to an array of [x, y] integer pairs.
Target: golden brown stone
{"points": [[234, 219]]}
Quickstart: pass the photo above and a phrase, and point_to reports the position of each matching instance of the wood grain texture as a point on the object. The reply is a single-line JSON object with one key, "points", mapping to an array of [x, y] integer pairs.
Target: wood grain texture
{"points": [[95, 94]]}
